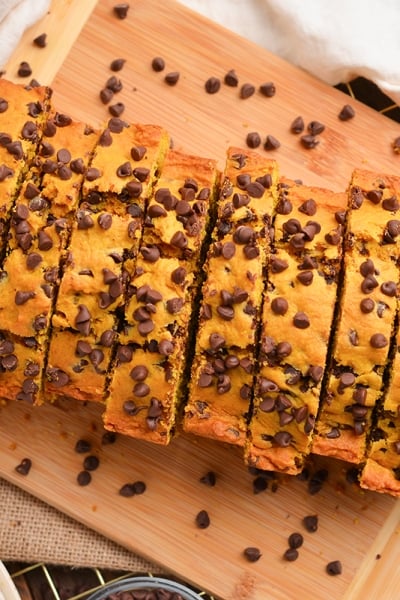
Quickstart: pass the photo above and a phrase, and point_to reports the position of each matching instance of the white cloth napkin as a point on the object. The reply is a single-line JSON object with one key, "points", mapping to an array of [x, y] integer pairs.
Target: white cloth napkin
{"points": [[335, 40], [15, 17]]}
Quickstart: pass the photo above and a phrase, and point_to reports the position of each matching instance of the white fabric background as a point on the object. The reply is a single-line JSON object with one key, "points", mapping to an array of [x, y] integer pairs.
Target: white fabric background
{"points": [[15, 17], [335, 40]]}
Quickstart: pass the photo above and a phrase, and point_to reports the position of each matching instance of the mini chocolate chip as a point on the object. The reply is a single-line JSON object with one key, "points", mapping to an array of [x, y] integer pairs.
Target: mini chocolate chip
{"points": [[209, 479], [279, 306], [347, 112], [252, 554], [231, 79], [158, 64], [367, 305], [84, 478], [378, 340], [297, 125], [253, 139], [310, 523], [391, 204], [24, 466], [334, 567], [315, 128], [301, 320], [22, 297], [368, 284], [116, 109], [282, 439], [246, 90], [121, 10], [202, 519], [295, 540], [172, 78], [271, 143], [83, 446], [291, 554], [267, 89], [24, 69], [91, 463], [106, 95], [389, 288], [212, 85], [117, 64], [309, 141]]}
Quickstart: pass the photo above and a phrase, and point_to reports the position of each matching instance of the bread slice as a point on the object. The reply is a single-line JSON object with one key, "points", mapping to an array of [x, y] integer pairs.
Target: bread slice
{"points": [[105, 236], [161, 307], [39, 230], [219, 391], [366, 321], [298, 311]]}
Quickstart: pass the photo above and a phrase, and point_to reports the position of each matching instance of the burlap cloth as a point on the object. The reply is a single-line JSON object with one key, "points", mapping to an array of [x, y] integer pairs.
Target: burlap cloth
{"points": [[31, 531]]}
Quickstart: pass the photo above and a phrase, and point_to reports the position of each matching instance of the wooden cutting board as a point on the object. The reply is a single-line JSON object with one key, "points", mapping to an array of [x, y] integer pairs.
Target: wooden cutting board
{"points": [[355, 527]]}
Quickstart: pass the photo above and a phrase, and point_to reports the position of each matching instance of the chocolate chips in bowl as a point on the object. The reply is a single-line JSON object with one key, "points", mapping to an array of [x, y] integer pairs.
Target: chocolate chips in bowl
{"points": [[145, 588]]}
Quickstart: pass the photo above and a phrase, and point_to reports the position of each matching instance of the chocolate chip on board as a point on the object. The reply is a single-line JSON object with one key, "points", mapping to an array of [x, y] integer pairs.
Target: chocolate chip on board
{"points": [[121, 10], [310, 523], [252, 554], [202, 519], [212, 85], [334, 567], [24, 466], [24, 69], [158, 64], [346, 113], [172, 78]]}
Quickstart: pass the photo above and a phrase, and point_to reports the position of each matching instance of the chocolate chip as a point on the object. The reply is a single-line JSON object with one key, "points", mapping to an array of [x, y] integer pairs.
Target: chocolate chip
{"points": [[253, 139], [83, 446], [301, 320], [117, 64], [231, 79], [23, 297], [391, 204], [367, 305], [178, 275], [295, 540], [246, 90], [389, 288], [252, 554], [158, 64], [305, 277], [267, 89], [24, 69], [106, 95], [209, 479], [309, 141], [315, 128], [279, 306], [121, 10], [166, 347], [202, 519], [282, 439], [297, 125], [91, 463], [291, 554], [150, 253], [334, 567], [216, 341], [347, 112], [368, 284], [84, 478], [378, 340], [310, 523], [24, 466], [172, 78], [82, 320], [271, 143], [116, 109], [3, 105], [179, 240], [212, 85]]}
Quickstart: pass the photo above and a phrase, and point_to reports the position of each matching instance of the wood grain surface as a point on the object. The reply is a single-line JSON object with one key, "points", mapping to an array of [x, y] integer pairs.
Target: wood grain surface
{"points": [[355, 527]]}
